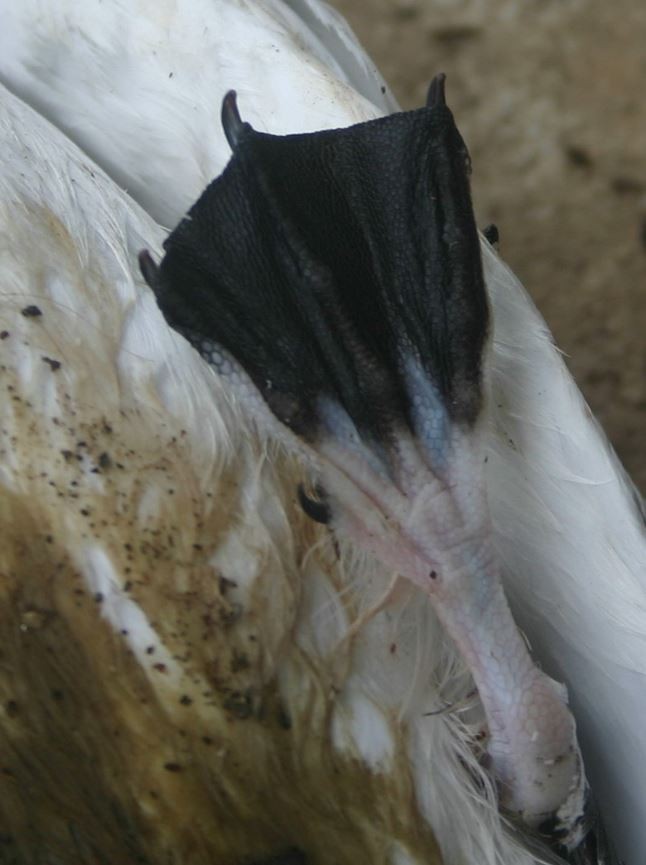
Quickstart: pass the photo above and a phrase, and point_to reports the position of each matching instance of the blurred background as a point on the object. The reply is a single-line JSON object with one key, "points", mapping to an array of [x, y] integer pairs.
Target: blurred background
{"points": [[550, 98]]}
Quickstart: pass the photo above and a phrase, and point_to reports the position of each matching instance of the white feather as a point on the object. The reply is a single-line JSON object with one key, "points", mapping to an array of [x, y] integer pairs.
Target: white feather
{"points": [[570, 535], [162, 70]]}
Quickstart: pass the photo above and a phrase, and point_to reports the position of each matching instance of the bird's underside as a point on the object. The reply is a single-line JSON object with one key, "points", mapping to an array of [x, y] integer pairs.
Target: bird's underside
{"points": [[338, 275]]}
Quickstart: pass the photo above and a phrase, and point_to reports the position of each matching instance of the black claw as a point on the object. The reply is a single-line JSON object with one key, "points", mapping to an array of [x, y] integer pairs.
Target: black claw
{"points": [[319, 511], [436, 95], [491, 233], [148, 268], [232, 123]]}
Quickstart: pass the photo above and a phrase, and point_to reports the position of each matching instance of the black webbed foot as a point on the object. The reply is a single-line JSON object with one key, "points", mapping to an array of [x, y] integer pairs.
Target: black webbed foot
{"points": [[338, 266]]}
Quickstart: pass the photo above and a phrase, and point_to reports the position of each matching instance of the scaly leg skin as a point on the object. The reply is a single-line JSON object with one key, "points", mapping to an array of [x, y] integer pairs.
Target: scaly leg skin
{"points": [[437, 534], [341, 271]]}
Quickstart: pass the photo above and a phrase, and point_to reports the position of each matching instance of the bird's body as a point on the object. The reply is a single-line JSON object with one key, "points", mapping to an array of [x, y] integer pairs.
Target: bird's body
{"points": [[138, 498], [162, 70]]}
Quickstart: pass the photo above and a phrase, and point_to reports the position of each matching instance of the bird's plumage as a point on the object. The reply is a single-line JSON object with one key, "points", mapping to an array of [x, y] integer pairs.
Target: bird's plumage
{"points": [[567, 527], [163, 69]]}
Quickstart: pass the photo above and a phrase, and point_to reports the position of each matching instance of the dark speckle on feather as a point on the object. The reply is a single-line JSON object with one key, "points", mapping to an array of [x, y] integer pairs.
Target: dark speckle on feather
{"points": [[53, 364], [104, 461], [239, 704], [31, 311]]}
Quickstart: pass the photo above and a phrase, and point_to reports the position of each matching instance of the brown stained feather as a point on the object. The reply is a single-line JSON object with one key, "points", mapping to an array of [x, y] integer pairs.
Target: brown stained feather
{"points": [[103, 758]]}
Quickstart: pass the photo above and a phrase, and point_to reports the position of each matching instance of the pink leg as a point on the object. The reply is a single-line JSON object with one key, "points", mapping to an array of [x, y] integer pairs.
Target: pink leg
{"points": [[435, 532]]}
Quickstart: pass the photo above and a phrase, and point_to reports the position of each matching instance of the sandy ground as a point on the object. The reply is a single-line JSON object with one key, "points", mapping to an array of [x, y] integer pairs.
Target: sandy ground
{"points": [[549, 96]]}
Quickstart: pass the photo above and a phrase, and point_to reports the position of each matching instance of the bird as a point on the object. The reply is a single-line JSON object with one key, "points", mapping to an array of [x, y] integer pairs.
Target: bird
{"points": [[396, 696]]}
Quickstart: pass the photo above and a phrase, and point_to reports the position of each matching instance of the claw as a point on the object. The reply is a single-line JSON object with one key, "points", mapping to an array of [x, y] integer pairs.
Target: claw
{"points": [[232, 124], [319, 511], [148, 268], [436, 95], [491, 234]]}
